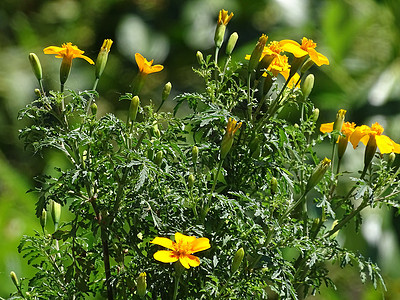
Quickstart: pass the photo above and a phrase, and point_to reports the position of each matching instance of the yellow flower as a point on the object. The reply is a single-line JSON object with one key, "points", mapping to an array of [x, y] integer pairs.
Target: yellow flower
{"points": [[281, 66], [373, 135], [347, 130], [295, 79], [227, 140], [67, 51], [307, 47], [102, 57], [145, 66], [181, 249], [223, 18]]}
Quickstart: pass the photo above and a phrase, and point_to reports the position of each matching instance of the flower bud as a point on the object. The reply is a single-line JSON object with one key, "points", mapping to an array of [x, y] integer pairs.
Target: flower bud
{"points": [[237, 260], [93, 109], [158, 158], [133, 108], [390, 159], [307, 86], [231, 43], [55, 208], [223, 20], [14, 278], [102, 57], [195, 154], [274, 185], [315, 113], [200, 58], [141, 285], [191, 180], [43, 219], [337, 125], [36, 66], [166, 91], [38, 93], [227, 140], [257, 52], [318, 173], [155, 131]]}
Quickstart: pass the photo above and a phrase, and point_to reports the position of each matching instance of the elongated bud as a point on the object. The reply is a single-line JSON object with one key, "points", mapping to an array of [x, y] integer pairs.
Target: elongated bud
{"points": [[223, 20], [55, 213], [307, 86], [274, 185], [102, 57], [333, 236], [65, 69], [257, 52], [133, 108], [200, 58], [337, 125], [141, 285], [93, 108], [390, 159], [307, 65], [191, 180], [227, 140], [155, 131], [231, 43], [166, 91], [43, 219], [315, 114], [158, 158], [370, 150], [318, 173], [195, 154], [14, 278], [237, 260], [36, 66]]}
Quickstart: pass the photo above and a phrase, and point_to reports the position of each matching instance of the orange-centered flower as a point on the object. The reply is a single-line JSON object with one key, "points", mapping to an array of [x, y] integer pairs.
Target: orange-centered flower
{"points": [[307, 47], [67, 52], [145, 66], [373, 134], [181, 249], [223, 17]]}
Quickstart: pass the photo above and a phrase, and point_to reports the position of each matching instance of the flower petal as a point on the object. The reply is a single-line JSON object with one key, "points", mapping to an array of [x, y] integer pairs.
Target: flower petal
{"points": [[326, 127], [162, 241], [189, 261], [200, 244], [88, 59], [179, 237], [165, 256], [293, 47], [384, 143], [358, 134], [53, 50]]}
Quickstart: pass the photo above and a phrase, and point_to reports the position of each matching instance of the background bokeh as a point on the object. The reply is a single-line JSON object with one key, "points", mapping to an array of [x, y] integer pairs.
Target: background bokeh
{"points": [[361, 38]]}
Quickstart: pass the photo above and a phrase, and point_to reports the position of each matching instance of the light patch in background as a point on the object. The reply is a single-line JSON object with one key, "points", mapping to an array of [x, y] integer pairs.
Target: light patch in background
{"points": [[372, 227], [385, 84], [133, 35], [294, 12]]}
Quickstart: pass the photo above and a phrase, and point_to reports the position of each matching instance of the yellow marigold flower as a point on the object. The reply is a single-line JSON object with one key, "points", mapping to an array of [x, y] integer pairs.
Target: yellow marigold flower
{"points": [[223, 17], [281, 66], [145, 66], [182, 249], [347, 130], [373, 136], [102, 57], [67, 52], [227, 140], [307, 47]]}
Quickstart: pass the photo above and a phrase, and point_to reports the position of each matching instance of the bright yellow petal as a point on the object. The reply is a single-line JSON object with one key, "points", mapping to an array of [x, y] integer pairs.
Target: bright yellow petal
{"points": [[53, 50], [165, 256], [384, 143], [189, 261], [88, 59], [359, 133], [327, 127], [365, 139], [293, 48], [162, 241], [200, 244], [156, 68], [179, 237], [396, 148], [323, 59]]}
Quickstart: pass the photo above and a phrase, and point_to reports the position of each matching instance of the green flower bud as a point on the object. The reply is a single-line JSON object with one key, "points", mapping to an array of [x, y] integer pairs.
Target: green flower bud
{"points": [[200, 58], [93, 109], [133, 108], [55, 208], [237, 260], [36, 66], [141, 285], [158, 158], [219, 35], [155, 131], [43, 219], [38, 93], [14, 278], [191, 180], [231, 43], [257, 52], [274, 185], [390, 159], [102, 57], [318, 173], [166, 91], [227, 140], [337, 125], [307, 86], [315, 114], [195, 154]]}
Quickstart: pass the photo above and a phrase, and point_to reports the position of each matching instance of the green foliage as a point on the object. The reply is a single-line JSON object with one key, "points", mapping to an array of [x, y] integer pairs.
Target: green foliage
{"points": [[128, 182]]}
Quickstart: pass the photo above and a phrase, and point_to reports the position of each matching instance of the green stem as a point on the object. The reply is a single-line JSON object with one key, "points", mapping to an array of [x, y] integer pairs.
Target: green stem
{"points": [[207, 205], [106, 260], [176, 286]]}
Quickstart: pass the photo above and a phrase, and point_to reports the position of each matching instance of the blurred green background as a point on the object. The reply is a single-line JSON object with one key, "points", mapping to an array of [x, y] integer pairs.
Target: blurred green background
{"points": [[361, 38]]}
